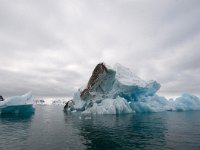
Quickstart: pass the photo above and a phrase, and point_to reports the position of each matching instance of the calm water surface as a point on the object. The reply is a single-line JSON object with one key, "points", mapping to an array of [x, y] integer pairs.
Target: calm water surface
{"points": [[51, 129]]}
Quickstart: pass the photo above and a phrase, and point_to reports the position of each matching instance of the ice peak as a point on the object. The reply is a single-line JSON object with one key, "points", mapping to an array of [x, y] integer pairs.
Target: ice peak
{"points": [[98, 73], [126, 76]]}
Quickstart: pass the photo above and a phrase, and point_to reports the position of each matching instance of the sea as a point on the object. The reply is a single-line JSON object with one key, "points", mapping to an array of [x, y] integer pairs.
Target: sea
{"points": [[49, 128]]}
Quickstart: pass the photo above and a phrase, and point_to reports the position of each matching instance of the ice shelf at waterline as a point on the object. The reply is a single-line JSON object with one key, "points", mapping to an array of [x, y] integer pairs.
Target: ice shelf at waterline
{"points": [[18, 104], [117, 90]]}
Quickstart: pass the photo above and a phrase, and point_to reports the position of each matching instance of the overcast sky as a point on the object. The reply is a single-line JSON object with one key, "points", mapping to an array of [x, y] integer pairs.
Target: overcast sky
{"points": [[51, 47]]}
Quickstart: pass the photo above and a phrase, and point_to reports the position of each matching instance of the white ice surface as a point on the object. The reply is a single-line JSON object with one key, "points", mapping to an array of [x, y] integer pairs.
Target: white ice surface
{"points": [[121, 91], [26, 99], [110, 106]]}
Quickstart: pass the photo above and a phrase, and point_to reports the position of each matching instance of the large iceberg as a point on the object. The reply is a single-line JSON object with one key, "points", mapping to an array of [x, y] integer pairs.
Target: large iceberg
{"points": [[117, 90], [18, 104]]}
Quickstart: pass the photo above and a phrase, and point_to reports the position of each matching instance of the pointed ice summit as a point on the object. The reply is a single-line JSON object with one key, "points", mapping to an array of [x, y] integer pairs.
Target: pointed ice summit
{"points": [[117, 91]]}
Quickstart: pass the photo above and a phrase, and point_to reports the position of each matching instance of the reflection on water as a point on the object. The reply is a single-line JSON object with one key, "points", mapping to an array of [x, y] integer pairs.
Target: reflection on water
{"points": [[166, 130], [14, 129], [50, 128], [133, 131]]}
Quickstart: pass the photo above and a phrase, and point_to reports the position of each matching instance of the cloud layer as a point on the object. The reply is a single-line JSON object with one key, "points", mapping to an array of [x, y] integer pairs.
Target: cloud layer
{"points": [[52, 47]]}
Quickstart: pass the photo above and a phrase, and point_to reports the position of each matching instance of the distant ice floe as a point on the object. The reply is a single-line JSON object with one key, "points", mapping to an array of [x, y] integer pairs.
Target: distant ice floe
{"points": [[117, 90], [51, 101], [59, 102]]}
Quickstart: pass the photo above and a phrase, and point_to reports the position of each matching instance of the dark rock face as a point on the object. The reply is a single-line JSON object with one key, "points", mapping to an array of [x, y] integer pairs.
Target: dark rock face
{"points": [[1, 98], [97, 73], [69, 105]]}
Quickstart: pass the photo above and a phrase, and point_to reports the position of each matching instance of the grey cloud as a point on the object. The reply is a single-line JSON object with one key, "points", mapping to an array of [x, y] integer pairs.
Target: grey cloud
{"points": [[55, 83], [52, 47]]}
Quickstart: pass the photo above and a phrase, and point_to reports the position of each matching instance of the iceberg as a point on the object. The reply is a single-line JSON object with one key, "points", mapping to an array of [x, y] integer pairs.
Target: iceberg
{"points": [[18, 104], [40, 102], [58, 102], [117, 90]]}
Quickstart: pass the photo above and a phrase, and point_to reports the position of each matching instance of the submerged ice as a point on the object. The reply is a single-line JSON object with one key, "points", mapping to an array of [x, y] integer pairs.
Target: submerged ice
{"points": [[117, 91]]}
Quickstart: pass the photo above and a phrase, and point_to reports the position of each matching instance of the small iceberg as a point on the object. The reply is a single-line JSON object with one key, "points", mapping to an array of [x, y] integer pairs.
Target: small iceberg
{"points": [[117, 90], [40, 102], [17, 104], [58, 102]]}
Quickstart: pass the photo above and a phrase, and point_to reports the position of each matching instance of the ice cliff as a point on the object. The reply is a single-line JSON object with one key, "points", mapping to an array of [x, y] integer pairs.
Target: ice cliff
{"points": [[117, 90]]}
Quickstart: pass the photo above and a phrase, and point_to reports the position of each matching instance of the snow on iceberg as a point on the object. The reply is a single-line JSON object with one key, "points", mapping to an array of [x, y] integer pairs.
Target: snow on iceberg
{"points": [[110, 106], [117, 91], [18, 104]]}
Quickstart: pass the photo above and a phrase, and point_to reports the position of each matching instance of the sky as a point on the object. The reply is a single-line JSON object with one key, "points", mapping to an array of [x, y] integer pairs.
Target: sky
{"points": [[51, 47]]}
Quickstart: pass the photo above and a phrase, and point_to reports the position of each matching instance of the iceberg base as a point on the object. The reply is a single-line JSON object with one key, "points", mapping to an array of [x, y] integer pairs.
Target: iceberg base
{"points": [[22, 109]]}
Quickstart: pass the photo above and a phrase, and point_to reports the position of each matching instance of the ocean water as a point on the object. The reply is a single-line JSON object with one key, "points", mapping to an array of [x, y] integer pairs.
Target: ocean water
{"points": [[49, 128]]}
